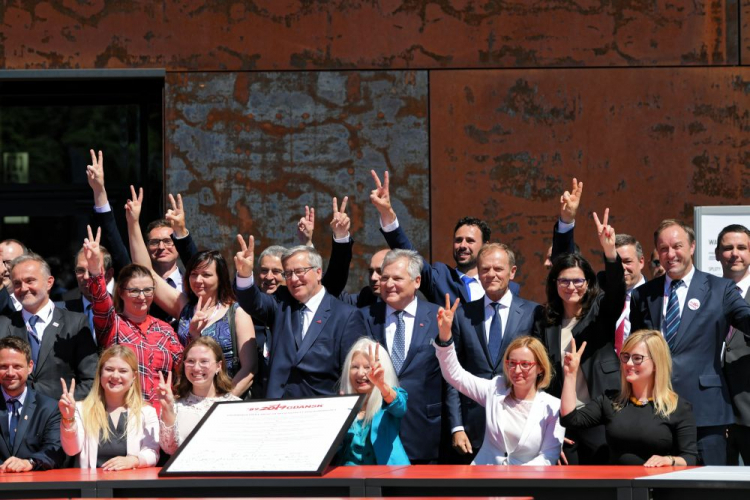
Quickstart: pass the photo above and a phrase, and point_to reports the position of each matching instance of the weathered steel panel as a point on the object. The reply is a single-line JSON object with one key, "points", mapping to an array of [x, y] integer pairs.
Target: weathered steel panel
{"points": [[374, 34], [248, 151], [649, 144], [744, 28]]}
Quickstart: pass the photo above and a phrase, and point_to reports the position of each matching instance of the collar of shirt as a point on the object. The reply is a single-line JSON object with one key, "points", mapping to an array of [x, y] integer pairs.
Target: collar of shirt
{"points": [[640, 282], [686, 279], [313, 303], [21, 398], [477, 292], [176, 277], [45, 315], [410, 309], [111, 285], [86, 303], [504, 301], [16, 305], [744, 284]]}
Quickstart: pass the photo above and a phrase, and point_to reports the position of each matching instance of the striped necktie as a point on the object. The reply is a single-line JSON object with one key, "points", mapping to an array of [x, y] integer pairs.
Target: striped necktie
{"points": [[672, 319]]}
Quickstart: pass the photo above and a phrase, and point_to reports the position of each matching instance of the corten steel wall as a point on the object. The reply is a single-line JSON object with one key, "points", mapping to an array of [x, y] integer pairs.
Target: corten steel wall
{"points": [[656, 102]]}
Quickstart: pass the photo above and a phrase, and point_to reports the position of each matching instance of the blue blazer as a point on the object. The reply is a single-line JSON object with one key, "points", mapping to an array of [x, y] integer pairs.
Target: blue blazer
{"points": [[696, 363], [420, 377], [303, 368], [385, 429], [471, 348], [438, 278], [38, 434]]}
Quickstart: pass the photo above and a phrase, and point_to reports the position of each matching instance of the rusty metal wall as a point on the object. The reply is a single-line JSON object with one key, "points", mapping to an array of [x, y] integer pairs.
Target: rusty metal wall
{"points": [[268, 35], [248, 151], [649, 144], [744, 32]]}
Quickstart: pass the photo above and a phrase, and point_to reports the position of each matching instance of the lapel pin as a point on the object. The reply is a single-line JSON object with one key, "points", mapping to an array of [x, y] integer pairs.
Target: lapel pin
{"points": [[421, 324], [694, 304], [319, 321], [25, 417]]}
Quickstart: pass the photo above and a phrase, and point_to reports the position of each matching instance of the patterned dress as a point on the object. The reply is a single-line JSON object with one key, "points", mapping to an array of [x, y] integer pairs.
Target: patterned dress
{"points": [[219, 331]]}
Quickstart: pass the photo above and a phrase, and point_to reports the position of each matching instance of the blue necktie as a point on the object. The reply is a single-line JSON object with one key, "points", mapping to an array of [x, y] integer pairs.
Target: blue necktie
{"points": [[171, 282], [399, 342], [467, 280], [496, 334], [34, 338], [13, 405], [672, 319]]}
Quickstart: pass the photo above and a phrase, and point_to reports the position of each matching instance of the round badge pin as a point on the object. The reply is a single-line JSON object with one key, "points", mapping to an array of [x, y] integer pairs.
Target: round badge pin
{"points": [[694, 304]]}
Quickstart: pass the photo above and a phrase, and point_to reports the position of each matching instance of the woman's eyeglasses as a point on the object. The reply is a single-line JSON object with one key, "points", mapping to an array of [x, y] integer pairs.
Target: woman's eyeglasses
{"points": [[576, 282], [637, 359], [135, 292], [525, 365]]}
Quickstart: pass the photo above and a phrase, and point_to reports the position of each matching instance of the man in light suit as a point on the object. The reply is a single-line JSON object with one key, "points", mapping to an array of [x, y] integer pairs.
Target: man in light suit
{"points": [[483, 329], [29, 421], [694, 311], [311, 331], [438, 279], [733, 252], [406, 326], [61, 342]]}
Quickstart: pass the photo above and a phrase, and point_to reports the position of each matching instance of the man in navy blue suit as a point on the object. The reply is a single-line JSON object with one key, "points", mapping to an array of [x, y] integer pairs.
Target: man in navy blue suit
{"points": [[311, 331], [694, 311], [438, 279], [406, 326], [483, 329]]}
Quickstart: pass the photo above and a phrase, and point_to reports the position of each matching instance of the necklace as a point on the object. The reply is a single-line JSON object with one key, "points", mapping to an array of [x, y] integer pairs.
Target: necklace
{"points": [[639, 402]]}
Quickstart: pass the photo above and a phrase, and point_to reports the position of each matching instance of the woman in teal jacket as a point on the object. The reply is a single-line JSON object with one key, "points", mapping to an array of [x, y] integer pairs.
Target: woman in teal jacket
{"points": [[373, 438]]}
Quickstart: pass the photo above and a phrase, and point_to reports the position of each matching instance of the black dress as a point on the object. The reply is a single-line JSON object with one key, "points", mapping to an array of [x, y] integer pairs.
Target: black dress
{"points": [[117, 446], [635, 433]]}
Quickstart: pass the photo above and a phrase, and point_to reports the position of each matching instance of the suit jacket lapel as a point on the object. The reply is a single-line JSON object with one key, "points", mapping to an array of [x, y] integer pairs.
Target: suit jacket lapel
{"points": [[531, 422], [316, 326], [514, 316], [48, 338], [479, 329], [295, 322], [697, 291], [460, 286], [377, 322], [24, 419], [422, 322], [4, 443], [656, 304]]}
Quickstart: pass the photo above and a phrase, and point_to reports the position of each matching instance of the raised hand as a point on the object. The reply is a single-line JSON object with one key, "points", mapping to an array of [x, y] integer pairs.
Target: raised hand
{"points": [[306, 227], [176, 216], [164, 391], [445, 318], [569, 202], [376, 375], [95, 171], [573, 358], [133, 205], [200, 318], [67, 403], [243, 260], [93, 253], [381, 198], [606, 235], [340, 223]]}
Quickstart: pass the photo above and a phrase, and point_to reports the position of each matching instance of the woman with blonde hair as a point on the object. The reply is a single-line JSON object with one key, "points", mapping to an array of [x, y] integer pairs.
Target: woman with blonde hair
{"points": [[523, 421], [373, 438], [113, 428], [646, 422]]}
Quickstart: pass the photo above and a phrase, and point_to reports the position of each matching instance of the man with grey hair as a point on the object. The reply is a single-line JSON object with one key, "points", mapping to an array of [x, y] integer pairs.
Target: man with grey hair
{"points": [[61, 342], [406, 325], [311, 331]]}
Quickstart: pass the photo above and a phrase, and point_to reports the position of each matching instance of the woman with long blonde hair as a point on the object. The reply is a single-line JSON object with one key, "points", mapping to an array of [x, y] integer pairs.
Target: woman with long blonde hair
{"points": [[113, 428], [646, 422]]}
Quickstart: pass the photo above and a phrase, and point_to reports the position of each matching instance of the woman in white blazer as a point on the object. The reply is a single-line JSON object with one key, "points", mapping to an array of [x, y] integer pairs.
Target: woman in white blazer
{"points": [[523, 422], [113, 428]]}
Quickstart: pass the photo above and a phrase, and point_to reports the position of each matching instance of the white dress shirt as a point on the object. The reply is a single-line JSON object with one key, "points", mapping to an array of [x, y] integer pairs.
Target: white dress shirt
{"points": [[625, 316], [311, 307], [410, 313], [489, 313], [45, 318]]}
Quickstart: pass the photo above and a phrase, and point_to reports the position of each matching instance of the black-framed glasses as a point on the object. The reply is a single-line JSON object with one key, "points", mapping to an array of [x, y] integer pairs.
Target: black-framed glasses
{"points": [[154, 243], [566, 282], [637, 359], [136, 292], [299, 272]]}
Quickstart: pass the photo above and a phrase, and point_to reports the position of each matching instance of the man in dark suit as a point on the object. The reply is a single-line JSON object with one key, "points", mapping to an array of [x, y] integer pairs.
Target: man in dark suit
{"points": [[61, 342], [694, 311], [438, 279], [29, 421], [406, 326], [483, 329], [733, 252], [311, 331]]}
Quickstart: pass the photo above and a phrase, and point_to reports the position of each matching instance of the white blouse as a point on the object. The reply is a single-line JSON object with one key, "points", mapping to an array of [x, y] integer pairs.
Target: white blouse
{"points": [[188, 412]]}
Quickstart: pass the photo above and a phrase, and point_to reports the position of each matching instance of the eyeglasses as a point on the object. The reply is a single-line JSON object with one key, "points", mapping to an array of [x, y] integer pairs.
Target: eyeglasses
{"points": [[299, 272], [204, 363], [525, 365], [80, 271], [264, 271], [135, 292], [576, 282], [167, 242], [637, 359]]}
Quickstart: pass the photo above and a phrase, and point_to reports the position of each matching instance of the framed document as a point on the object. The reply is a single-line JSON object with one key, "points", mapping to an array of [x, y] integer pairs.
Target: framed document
{"points": [[266, 437]]}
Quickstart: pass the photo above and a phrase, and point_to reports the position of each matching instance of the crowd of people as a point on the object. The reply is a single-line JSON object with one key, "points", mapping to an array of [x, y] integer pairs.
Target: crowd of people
{"points": [[455, 365]]}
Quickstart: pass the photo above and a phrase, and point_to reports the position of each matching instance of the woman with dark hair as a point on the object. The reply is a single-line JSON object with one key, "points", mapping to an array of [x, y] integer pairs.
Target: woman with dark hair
{"points": [[202, 381], [124, 320], [577, 308], [206, 306]]}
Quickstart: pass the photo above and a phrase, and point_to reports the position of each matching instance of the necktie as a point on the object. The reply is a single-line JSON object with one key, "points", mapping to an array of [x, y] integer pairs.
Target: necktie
{"points": [[171, 282], [399, 342], [302, 330], [620, 332], [467, 280], [496, 335], [90, 315], [672, 319], [34, 338], [13, 405]]}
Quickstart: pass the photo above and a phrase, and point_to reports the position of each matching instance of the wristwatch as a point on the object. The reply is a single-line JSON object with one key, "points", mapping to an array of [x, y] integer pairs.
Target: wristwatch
{"points": [[34, 463]]}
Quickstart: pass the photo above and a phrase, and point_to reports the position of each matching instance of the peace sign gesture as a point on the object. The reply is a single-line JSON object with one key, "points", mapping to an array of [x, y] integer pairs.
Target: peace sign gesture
{"points": [[93, 253], [133, 205], [176, 216], [306, 227], [376, 375], [573, 358], [67, 403], [200, 318], [606, 235], [164, 390], [381, 198], [243, 260], [445, 318], [570, 200], [95, 171], [340, 222]]}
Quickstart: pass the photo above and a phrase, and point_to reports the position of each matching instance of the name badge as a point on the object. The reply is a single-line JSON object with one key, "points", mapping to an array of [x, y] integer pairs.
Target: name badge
{"points": [[694, 304]]}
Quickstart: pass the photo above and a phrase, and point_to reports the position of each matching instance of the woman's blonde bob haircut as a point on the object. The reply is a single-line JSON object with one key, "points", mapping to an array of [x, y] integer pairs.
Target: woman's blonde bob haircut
{"points": [[665, 399], [540, 355]]}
